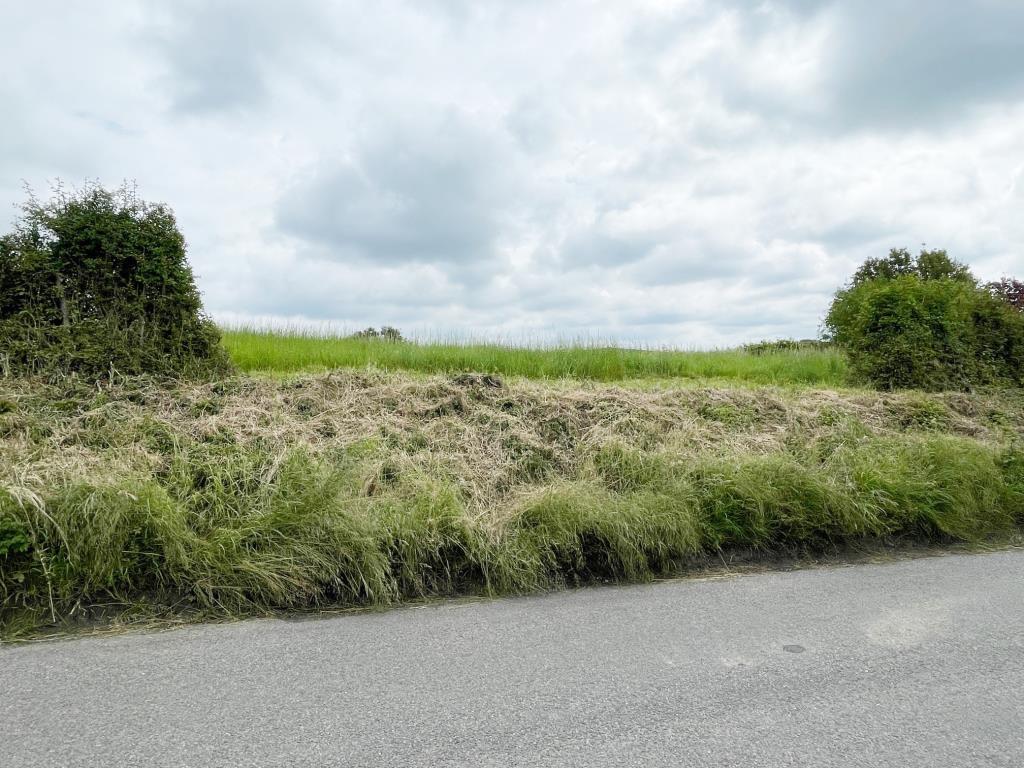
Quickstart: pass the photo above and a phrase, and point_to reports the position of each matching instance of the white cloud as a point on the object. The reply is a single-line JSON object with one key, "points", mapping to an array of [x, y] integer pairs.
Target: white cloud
{"points": [[688, 173]]}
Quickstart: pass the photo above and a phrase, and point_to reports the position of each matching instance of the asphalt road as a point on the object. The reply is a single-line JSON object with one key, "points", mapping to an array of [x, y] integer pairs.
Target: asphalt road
{"points": [[911, 663]]}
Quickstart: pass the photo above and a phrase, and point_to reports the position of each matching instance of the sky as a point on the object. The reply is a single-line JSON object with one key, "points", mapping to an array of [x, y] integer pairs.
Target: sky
{"points": [[669, 173]]}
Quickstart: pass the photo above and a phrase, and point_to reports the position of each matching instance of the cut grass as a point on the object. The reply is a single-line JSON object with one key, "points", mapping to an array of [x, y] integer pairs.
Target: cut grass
{"points": [[247, 496], [297, 351]]}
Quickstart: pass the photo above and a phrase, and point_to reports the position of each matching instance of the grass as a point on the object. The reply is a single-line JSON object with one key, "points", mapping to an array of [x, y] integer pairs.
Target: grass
{"points": [[298, 351], [247, 495]]}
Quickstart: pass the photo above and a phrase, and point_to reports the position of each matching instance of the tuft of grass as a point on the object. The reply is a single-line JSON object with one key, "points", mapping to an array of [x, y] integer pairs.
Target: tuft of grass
{"points": [[297, 351], [581, 531], [431, 546]]}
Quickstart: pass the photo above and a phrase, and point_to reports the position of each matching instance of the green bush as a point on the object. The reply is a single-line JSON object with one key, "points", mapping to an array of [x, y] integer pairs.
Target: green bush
{"points": [[96, 280], [927, 326]]}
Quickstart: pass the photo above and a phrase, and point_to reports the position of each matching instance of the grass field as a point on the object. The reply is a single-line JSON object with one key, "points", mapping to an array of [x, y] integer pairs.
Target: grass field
{"points": [[295, 351], [258, 494]]}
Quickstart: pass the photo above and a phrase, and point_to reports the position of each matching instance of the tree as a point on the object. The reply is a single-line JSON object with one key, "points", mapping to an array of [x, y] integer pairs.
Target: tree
{"points": [[95, 279], [928, 265]]}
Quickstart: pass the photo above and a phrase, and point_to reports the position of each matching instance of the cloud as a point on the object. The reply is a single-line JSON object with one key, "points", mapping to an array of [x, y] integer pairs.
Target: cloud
{"points": [[599, 249], [905, 63], [222, 57], [431, 191], [680, 172], [887, 65]]}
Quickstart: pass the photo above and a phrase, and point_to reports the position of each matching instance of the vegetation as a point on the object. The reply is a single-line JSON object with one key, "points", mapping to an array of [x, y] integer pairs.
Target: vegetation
{"points": [[355, 488], [926, 323], [302, 351], [96, 281], [123, 494]]}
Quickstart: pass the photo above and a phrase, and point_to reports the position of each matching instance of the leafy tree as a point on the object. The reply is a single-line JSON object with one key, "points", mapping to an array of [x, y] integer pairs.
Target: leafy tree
{"points": [[928, 265], [94, 280]]}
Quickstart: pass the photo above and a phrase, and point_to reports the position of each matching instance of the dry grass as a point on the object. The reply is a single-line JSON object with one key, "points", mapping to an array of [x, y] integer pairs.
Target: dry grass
{"points": [[472, 432]]}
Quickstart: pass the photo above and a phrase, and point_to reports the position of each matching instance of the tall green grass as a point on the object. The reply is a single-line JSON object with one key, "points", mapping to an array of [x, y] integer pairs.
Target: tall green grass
{"points": [[232, 530], [296, 351]]}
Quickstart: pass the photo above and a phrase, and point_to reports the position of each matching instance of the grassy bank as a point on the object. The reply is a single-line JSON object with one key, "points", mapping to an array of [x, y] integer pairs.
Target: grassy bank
{"points": [[291, 352], [357, 488]]}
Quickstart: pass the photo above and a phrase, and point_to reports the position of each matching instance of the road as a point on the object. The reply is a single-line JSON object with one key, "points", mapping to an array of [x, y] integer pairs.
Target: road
{"points": [[910, 663]]}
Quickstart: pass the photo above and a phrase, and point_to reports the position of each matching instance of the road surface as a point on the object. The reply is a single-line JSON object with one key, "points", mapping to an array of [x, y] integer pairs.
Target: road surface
{"points": [[911, 663]]}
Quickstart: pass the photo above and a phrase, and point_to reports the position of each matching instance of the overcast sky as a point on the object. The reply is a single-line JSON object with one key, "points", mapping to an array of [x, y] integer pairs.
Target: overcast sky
{"points": [[689, 173]]}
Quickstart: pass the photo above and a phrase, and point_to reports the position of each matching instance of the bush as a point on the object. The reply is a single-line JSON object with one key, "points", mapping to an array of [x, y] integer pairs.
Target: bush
{"points": [[95, 280], [930, 326]]}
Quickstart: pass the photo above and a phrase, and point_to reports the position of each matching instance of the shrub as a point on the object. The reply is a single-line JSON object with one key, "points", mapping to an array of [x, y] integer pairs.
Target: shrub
{"points": [[95, 280], [926, 325]]}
